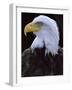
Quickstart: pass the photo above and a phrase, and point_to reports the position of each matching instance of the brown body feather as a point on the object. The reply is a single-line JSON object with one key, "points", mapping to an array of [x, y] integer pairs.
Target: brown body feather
{"points": [[37, 64]]}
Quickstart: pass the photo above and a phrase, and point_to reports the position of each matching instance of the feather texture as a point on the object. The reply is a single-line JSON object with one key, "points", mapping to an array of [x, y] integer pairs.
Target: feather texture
{"points": [[48, 35]]}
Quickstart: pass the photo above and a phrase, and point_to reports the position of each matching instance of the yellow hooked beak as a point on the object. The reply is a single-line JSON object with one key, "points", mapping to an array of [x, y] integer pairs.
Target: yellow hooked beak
{"points": [[31, 27]]}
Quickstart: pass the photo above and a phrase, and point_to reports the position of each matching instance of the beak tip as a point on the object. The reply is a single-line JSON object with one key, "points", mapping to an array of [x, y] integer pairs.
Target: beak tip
{"points": [[25, 33]]}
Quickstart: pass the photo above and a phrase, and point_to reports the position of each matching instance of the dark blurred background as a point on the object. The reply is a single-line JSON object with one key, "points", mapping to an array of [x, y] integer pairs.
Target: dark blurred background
{"points": [[28, 17]]}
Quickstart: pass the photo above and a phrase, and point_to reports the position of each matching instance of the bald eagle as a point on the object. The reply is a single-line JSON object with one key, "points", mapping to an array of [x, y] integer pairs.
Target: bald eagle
{"points": [[44, 49]]}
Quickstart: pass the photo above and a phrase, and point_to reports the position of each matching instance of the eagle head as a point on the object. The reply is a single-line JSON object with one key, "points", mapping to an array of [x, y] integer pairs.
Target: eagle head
{"points": [[47, 34]]}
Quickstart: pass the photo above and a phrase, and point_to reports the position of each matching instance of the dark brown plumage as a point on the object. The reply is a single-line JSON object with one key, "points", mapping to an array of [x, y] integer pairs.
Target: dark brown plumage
{"points": [[37, 64]]}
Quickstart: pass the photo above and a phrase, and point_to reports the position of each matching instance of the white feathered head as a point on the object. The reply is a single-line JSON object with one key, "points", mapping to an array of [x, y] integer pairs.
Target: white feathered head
{"points": [[46, 31]]}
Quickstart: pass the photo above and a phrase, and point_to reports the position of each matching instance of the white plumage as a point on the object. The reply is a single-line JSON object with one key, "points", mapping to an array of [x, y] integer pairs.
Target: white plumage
{"points": [[48, 35]]}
